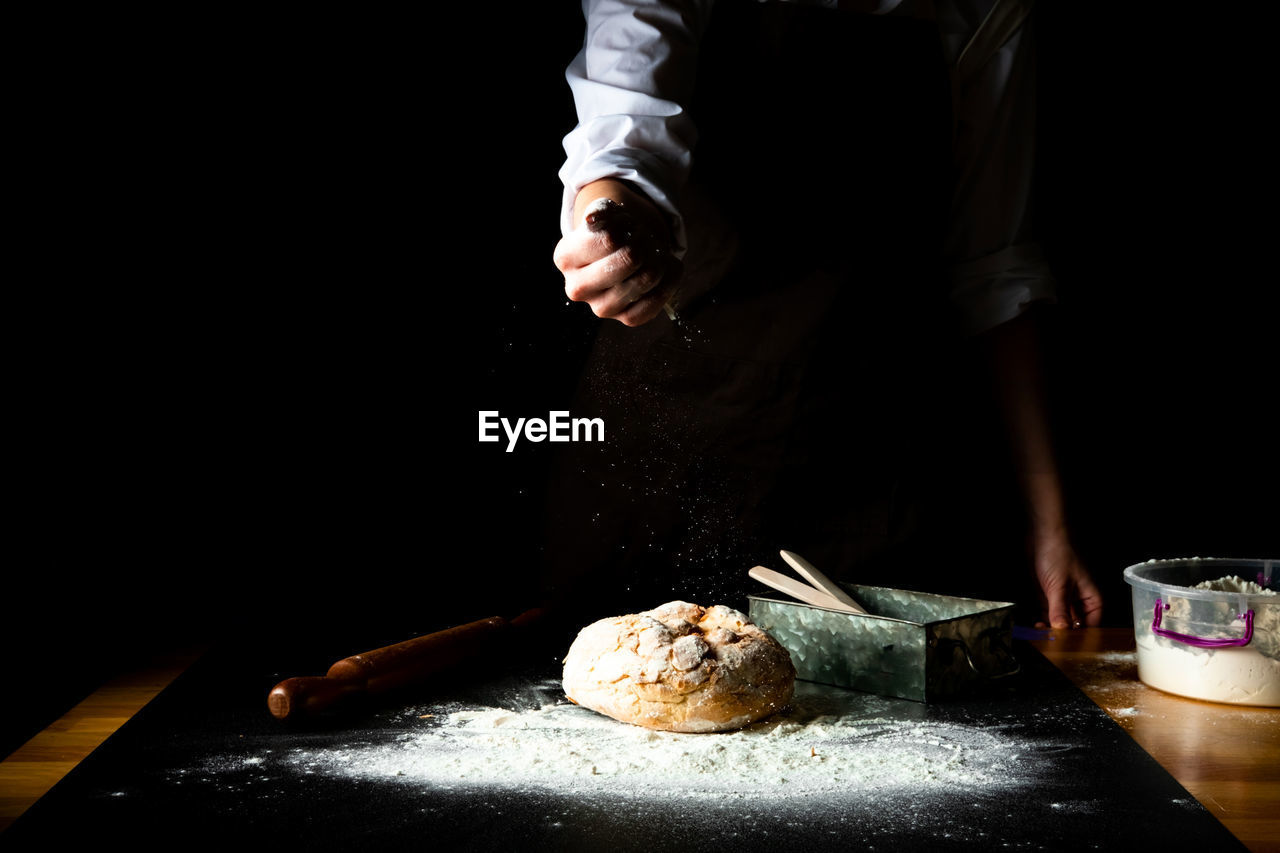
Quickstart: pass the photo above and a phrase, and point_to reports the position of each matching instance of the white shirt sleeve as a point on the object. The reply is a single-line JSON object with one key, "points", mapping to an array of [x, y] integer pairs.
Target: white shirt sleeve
{"points": [[633, 79], [631, 84], [997, 268]]}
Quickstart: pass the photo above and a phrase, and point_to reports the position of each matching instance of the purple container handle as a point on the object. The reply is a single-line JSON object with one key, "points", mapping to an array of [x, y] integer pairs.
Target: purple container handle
{"points": [[1201, 642]]}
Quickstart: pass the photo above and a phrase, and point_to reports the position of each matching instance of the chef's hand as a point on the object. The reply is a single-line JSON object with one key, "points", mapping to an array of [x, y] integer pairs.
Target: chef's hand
{"points": [[618, 257], [1068, 596]]}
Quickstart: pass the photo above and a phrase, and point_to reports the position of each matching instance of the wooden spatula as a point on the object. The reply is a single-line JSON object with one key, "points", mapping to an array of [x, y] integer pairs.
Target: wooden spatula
{"points": [[807, 571], [796, 589]]}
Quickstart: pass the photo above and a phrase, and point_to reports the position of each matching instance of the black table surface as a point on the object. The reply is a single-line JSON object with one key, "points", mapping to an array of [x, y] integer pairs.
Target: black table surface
{"points": [[1095, 789]]}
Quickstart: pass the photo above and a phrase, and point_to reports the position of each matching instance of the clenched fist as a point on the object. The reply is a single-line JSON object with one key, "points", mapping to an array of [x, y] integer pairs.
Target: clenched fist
{"points": [[618, 257]]}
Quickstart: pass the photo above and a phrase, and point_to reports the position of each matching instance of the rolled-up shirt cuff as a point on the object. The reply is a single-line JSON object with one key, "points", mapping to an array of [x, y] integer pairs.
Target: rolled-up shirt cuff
{"points": [[626, 165], [996, 288], [629, 135]]}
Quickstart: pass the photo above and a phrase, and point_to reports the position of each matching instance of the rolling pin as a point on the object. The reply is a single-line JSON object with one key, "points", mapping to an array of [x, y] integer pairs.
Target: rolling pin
{"points": [[377, 671]]}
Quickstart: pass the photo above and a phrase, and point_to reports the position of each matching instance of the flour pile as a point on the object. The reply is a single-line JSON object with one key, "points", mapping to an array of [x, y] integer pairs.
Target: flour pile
{"points": [[562, 748]]}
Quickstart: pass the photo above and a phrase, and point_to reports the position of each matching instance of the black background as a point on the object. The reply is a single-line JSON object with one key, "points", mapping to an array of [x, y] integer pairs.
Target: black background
{"points": [[270, 270]]}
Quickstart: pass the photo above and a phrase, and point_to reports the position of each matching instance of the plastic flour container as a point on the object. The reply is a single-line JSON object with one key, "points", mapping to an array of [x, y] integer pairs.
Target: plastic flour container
{"points": [[1212, 644]]}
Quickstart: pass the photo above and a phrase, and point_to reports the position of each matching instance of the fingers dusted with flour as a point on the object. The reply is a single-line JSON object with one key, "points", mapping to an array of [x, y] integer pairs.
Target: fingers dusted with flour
{"points": [[618, 259]]}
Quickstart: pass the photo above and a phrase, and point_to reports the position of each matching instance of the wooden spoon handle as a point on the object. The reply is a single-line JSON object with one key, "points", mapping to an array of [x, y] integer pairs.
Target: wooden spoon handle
{"points": [[807, 571], [796, 589]]}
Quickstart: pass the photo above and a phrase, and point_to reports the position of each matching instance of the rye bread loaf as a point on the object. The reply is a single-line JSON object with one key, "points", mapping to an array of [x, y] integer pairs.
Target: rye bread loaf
{"points": [[680, 668]]}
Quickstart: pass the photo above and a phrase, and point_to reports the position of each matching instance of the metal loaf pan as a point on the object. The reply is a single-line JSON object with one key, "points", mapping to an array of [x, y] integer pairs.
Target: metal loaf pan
{"points": [[911, 645]]}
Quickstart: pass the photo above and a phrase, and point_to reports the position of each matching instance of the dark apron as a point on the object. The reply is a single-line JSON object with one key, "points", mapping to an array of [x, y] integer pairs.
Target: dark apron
{"points": [[797, 404]]}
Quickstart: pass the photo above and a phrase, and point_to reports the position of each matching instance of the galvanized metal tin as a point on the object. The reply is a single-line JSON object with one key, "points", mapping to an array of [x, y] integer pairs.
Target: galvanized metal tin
{"points": [[911, 645]]}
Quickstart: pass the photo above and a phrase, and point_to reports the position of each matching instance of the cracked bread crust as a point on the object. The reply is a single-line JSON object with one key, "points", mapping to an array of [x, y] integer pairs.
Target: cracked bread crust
{"points": [[679, 668]]}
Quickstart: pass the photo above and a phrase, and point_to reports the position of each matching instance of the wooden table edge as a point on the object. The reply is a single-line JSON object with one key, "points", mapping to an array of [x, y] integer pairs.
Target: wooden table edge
{"points": [[1102, 663], [34, 768], [31, 770]]}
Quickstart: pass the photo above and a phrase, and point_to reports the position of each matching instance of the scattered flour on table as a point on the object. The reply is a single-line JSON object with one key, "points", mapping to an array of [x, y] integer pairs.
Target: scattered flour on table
{"points": [[1116, 658], [562, 748]]}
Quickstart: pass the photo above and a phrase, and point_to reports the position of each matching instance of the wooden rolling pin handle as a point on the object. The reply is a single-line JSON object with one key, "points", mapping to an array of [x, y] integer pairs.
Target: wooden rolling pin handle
{"points": [[386, 668], [394, 666], [297, 697]]}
